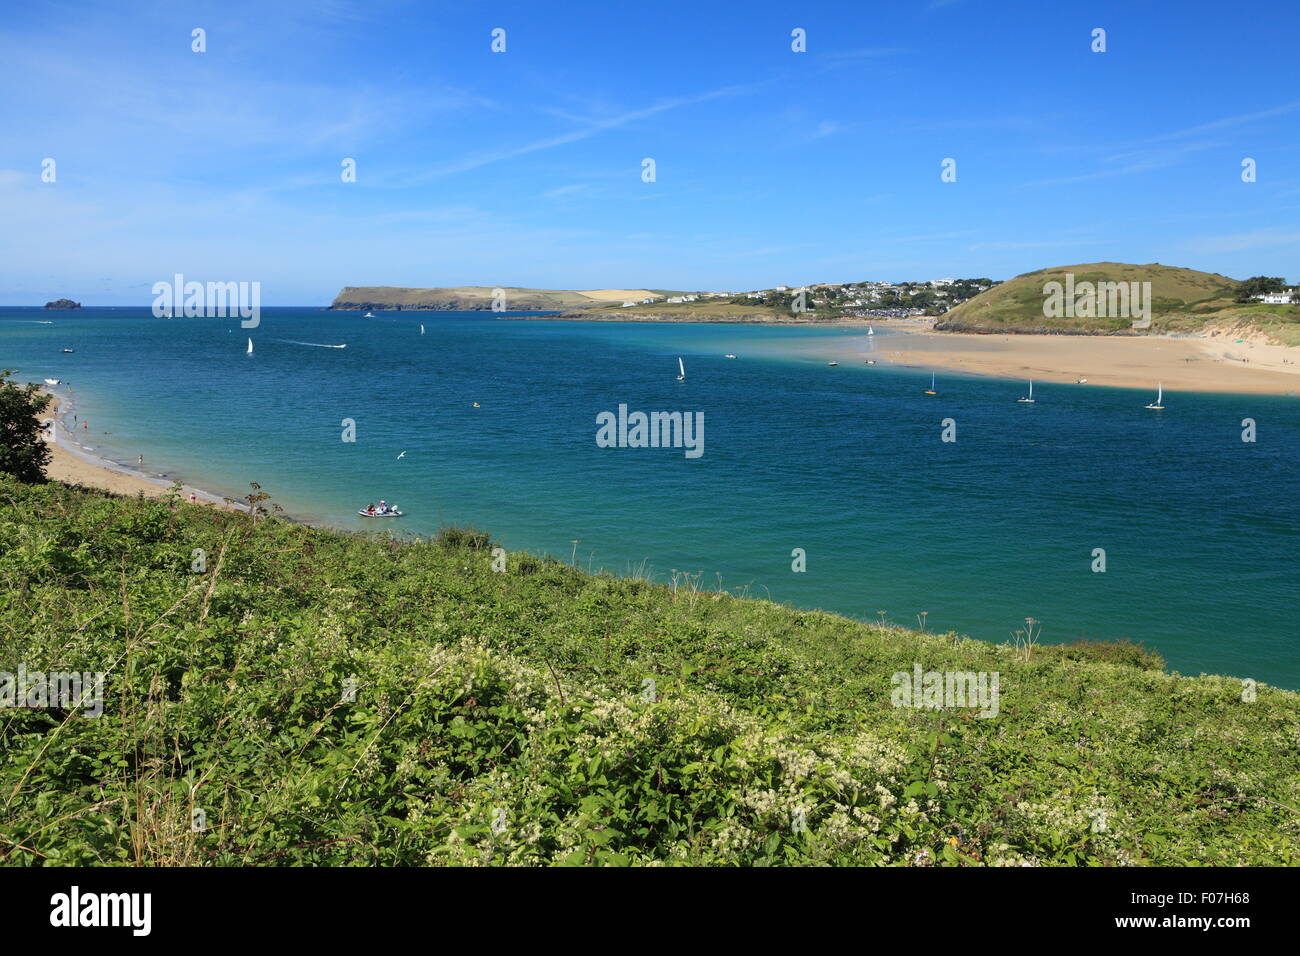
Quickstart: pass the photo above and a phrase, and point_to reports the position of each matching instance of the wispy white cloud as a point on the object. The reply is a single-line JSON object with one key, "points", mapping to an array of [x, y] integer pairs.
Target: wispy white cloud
{"points": [[487, 157]]}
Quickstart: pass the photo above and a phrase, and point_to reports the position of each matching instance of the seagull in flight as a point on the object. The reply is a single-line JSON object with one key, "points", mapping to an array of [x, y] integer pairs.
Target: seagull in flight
{"points": [[401, 456]]}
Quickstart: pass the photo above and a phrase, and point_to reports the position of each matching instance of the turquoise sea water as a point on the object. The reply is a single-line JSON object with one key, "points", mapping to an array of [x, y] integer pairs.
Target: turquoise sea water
{"points": [[1201, 530]]}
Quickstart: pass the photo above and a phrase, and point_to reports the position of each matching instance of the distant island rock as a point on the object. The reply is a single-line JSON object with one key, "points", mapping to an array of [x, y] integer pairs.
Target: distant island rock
{"points": [[62, 304]]}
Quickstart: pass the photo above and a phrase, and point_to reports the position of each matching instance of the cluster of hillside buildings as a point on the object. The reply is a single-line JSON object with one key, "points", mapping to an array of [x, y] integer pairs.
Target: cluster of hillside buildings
{"points": [[895, 296]]}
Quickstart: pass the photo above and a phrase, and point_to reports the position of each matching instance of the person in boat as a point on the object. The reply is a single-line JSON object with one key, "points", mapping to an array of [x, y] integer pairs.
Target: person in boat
{"points": [[370, 509], [383, 506]]}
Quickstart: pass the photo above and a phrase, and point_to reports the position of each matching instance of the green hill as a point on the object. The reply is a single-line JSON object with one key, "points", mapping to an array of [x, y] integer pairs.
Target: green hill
{"points": [[1181, 300], [325, 698], [471, 298]]}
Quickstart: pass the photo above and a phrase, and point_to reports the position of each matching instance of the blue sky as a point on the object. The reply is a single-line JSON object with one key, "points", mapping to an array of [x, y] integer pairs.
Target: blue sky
{"points": [[524, 168]]}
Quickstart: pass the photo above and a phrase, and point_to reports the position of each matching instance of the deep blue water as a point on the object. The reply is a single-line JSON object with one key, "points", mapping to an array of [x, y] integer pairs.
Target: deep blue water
{"points": [[1201, 530]]}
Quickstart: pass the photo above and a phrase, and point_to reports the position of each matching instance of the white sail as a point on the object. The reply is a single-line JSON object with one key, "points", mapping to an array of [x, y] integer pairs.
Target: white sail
{"points": [[250, 347], [421, 328], [1031, 388], [1160, 393], [870, 330], [680, 367]]}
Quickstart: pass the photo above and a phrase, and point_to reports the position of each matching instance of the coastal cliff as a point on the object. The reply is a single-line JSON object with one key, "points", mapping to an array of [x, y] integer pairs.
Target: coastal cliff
{"points": [[477, 298]]}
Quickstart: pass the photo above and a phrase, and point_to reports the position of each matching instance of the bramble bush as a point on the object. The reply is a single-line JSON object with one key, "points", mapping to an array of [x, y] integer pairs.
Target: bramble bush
{"points": [[335, 699]]}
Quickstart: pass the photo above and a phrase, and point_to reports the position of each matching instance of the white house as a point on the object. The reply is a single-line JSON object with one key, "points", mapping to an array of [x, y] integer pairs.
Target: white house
{"points": [[1276, 298]]}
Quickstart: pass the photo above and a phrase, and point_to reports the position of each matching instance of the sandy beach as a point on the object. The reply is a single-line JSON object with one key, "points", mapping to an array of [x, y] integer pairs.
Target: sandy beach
{"points": [[72, 464], [1216, 362]]}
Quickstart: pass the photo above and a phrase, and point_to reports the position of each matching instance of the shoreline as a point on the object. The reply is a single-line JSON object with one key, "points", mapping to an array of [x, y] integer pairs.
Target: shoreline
{"points": [[75, 464], [1224, 361], [1218, 361]]}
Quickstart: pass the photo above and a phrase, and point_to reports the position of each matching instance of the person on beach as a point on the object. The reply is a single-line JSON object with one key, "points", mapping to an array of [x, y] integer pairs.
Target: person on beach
{"points": [[193, 498], [140, 461]]}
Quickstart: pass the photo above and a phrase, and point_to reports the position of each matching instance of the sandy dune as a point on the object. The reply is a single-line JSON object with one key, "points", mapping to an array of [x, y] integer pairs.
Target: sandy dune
{"points": [[605, 295]]}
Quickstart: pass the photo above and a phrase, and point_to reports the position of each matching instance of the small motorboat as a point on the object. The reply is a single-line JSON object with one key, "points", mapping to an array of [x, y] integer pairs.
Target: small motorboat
{"points": [[52, 381], [728, 355], [476, 405], [386, 513], [832, 363], [67, 350], [871, 361], [369, 315]]}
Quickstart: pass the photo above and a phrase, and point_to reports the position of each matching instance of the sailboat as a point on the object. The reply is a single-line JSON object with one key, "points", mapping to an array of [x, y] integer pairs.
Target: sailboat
{"points": [[870, 330], [681, 368], [250, 347], [1160, 398], [421, 328], [930, 390], [1029, 399]]}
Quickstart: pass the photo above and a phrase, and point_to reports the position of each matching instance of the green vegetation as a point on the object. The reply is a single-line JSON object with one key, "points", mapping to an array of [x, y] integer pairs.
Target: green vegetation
{"points": [[1259, 285], [510, 717], [1182, 301], [736, 309], [23, 452], [470, 298]]}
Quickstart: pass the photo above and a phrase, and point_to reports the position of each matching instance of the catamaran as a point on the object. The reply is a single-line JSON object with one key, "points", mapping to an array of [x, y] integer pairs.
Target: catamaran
{"points": [[1028, 399], [1160, 398], [930, 390], [682, 369]]}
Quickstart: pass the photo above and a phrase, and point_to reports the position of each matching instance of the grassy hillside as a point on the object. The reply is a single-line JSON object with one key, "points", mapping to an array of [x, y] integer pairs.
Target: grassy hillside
{"points": [[1182, 300], [507, 717], [468, 298]]}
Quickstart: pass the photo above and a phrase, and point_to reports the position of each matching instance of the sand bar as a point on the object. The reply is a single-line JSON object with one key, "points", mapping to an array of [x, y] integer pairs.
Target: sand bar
{"points": [[1204, 363]]}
